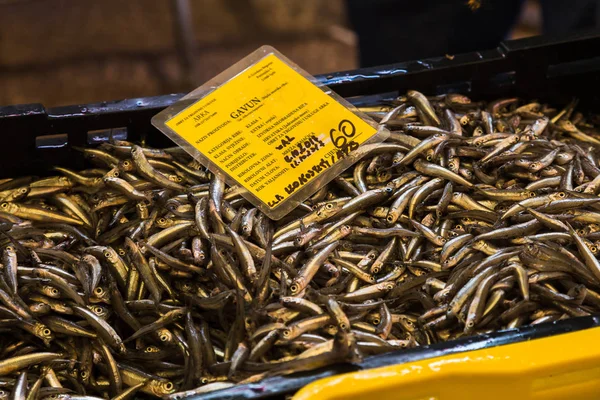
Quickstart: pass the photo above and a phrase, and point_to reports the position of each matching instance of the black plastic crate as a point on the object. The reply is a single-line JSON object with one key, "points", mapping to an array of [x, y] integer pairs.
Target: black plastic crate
{"points": [[552, 70]]}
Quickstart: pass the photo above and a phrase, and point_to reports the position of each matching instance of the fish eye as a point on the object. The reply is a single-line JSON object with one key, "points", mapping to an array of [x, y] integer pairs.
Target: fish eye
{"points": [[388, 190], [294, 288], [83, 374], [204, 381], [23, 190], [371, 279], [4, 205], [329, 206], [593, 249], [376, 321], [429, 158], [54, 291], [532, 194], [470, 324], [286, 333], [121, 252], [561, 194], [46, 332], [126, 163], [168, 386], [106, 254], [164, 338], [99, 290]]}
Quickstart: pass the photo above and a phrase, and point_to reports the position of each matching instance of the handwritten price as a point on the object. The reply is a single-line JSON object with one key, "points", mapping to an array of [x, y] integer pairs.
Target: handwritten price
{"points": [[339, 137]]}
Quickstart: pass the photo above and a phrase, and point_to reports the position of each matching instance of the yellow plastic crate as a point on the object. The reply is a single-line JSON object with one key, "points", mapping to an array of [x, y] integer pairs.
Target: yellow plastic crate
{"points": [[565, 366]]}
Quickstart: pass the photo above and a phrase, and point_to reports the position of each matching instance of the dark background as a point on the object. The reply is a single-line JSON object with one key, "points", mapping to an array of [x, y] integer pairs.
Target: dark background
{"points": [[60, 52]]}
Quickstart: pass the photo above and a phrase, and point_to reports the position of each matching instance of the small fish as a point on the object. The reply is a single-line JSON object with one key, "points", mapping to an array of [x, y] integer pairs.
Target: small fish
{"points": [[145, 274]]}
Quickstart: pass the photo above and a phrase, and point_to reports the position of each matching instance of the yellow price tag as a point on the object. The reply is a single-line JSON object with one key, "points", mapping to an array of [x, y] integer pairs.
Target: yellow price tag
{"points": [[271, 131]]}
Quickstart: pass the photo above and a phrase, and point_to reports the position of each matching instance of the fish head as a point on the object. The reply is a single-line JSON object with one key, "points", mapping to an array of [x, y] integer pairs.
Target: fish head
{"points": [[386, 286], [175, 178], [161, 388], [126, 166], [50, 291], [163, 222], [43, 332], [110, 254], [84, 375], [19, 193], [100, 311], [557, 196], [328, 210], [8, 207], [566, 125], [39, 308], [101, 294], [165, 336], [297, 283], [152, 349]]}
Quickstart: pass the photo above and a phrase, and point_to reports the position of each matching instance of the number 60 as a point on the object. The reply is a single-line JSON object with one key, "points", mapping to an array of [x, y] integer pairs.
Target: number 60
{"points": [[347, 130]]}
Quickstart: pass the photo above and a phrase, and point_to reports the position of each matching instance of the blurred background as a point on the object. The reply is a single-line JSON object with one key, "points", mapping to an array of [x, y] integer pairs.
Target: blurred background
{"points": [[60, 52]]}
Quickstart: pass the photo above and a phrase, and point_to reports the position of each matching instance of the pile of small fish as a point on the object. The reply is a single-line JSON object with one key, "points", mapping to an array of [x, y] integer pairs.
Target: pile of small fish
{"points": [[147, 275]]}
